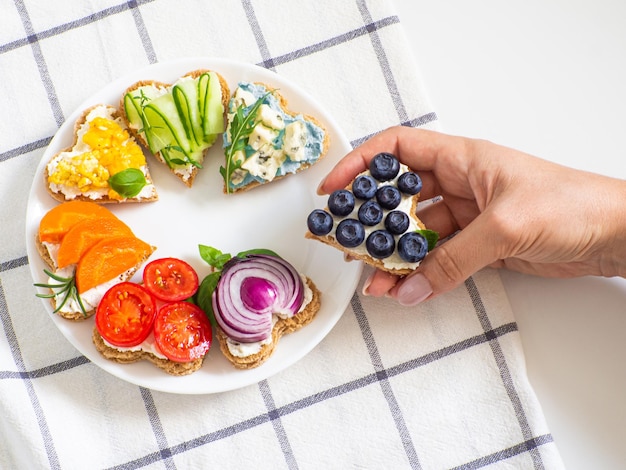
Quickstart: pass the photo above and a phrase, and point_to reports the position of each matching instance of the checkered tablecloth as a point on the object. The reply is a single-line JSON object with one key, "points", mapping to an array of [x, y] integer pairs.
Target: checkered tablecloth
{"points": [[439, 386]]}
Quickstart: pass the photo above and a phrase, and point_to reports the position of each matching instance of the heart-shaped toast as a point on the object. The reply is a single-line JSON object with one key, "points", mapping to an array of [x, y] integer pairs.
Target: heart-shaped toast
{"points": [[374, 218], [265, 141]]}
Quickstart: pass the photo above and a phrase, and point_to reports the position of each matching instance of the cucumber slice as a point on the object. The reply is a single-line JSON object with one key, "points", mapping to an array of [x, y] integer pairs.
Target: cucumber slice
{"points": [[213, 109], [185, 94], [133, 111], [202, 88], [165, 125]]}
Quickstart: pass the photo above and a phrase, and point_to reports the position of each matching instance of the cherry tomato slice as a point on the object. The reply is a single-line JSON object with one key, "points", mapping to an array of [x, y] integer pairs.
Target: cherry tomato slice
{"points": [[182, 331], [170, 279], [125, 314]]}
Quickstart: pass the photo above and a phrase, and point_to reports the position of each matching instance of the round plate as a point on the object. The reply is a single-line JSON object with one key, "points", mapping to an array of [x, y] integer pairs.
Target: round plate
{"points": [[271, 216]]}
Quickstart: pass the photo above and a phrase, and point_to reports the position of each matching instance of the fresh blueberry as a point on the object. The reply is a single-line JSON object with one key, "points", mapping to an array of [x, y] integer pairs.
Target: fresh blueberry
{"points": [[412, 247], [364, 187], [384, 166], [388, 197], [380, 244], [319, 222], [350, 233], [410, 183], [397, 222], [341, 202], [370, 213]]}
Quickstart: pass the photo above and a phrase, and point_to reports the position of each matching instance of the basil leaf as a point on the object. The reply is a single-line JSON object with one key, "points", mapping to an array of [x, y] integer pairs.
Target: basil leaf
{"points": [[128, 183], [204, 296], [257, 251], [213, 256], [431, 237]]}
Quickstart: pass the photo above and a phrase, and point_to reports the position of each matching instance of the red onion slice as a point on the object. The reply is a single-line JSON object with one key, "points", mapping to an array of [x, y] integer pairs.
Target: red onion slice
{"points": [[250, 291]]}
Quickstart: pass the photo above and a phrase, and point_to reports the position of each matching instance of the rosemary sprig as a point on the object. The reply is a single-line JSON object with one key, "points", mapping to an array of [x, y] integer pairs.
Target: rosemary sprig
{"points": [[240, 129], [66, 286]]}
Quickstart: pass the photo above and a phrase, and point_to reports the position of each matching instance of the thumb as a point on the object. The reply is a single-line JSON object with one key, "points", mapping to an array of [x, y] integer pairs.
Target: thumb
{"points": [[448, 265]]}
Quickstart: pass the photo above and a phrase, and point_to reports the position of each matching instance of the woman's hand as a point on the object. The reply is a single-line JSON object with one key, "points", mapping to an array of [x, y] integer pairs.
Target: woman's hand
{"points": [[507, 208]]}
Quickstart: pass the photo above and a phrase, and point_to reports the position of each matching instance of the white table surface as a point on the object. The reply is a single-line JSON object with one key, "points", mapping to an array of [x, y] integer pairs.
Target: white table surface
{"points": [[549, 78]]}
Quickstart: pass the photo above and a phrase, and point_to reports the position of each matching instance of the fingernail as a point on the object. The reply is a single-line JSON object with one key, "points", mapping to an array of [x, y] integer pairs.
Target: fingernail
{"points": [[366, 284], [414, 290], [319, 187]]}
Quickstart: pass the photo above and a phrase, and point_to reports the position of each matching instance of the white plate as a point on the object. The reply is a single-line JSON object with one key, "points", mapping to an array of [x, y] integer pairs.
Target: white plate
{"points": [[272, 216]]}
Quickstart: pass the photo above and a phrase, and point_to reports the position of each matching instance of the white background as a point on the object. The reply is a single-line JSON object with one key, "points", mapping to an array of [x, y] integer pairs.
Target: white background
{"points": [[547, 77]]}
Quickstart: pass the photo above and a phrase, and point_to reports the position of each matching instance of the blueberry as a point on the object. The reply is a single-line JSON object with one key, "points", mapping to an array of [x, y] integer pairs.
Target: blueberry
{"points": [[380, 244], [341, 202], [350, 233], [364, 187], [370, 213], [412, 247], [410, 183], [397, 222], [319, 222], [388, 197], [384, 167]]}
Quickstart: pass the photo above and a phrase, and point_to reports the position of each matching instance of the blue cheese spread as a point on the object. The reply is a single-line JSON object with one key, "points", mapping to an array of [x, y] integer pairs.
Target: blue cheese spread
{"points": [[278, 144]]}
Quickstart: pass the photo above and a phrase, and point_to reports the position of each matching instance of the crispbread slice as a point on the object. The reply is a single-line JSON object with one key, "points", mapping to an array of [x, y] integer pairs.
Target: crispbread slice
{"points": [[393, 265], [128, 357], [281, 327], [284, 105], [78, 315], [187, 173], [58, 194]]}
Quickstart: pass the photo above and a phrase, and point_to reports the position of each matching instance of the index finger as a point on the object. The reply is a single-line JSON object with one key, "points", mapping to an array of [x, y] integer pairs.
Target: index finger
{"points": [[416, 148]]}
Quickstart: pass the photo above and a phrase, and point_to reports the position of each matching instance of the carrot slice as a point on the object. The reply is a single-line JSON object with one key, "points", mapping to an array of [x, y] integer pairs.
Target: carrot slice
{"points": [[60, 219], [108, 259], [86, 233]]}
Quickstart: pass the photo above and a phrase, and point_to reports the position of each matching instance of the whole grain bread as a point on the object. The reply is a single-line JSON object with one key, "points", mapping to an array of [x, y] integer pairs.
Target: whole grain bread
{"points": [[104, 199], [282, 327], [128, 357], [193, 170]]}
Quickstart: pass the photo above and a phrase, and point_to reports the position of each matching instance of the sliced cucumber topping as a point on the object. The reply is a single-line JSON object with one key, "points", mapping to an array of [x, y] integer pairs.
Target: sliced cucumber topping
{"points": [[185, 94], [213, 110]]}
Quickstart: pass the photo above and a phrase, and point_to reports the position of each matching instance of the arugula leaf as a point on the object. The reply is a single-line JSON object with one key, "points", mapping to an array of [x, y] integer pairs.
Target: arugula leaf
{"points": [[240, 129], [431, 237], [66, 286], [128, 183]]}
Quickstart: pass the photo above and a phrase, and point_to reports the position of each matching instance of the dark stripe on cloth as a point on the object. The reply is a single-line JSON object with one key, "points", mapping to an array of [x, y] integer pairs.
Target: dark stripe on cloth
{"points": [[157, 428], [33, 40], [507, 453], [283, 440], [505, 373], [14, 346], [382, 376]]}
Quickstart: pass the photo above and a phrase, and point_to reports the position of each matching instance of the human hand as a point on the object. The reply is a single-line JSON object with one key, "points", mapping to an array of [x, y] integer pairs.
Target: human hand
{"points": [[507, 208]]}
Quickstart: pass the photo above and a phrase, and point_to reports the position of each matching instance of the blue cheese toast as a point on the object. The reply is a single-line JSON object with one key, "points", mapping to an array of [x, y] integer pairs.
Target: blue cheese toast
{"points": [[264, 141]]}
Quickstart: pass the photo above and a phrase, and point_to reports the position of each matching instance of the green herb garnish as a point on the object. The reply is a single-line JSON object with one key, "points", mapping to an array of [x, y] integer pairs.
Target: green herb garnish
{"points": [[128, 183], [431, 237], [216, 259], [240, 129], [66, 287]]}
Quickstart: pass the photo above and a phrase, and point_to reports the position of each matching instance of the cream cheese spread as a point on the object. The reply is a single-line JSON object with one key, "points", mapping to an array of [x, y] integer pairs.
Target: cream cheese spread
{"points": [[79, 148], [406, 205]]}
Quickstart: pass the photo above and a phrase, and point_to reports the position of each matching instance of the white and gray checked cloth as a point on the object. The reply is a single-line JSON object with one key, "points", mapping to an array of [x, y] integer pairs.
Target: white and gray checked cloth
{"points": [[442, 385]]}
